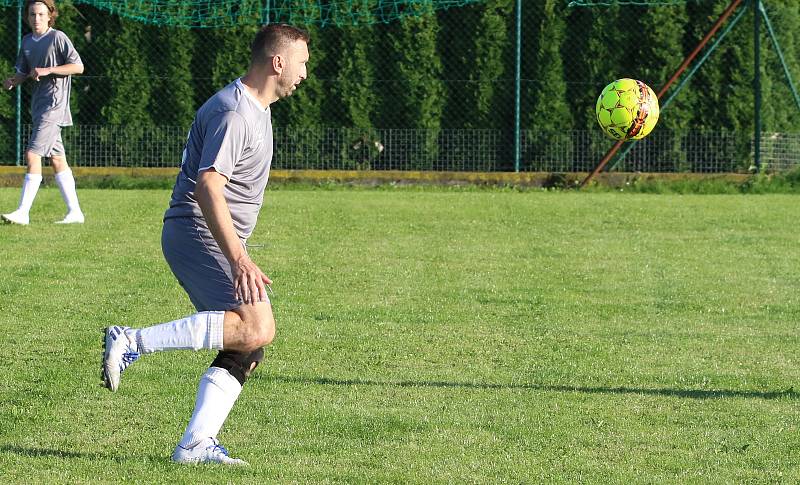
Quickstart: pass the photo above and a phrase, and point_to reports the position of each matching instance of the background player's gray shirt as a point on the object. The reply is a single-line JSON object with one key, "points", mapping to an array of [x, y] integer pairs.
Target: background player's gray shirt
{"points": [[50, 96], [232, 133]]}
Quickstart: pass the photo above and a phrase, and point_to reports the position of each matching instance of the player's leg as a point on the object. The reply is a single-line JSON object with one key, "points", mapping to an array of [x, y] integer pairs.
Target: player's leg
{"points": [[30, 186], [66, 183], [243, 329], [220, 387], [217, 392], [122, 346], [205, 274], [246, 328]]}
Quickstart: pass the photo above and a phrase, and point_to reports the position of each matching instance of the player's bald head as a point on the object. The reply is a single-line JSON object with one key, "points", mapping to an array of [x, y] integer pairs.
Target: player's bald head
{"points": [[275, 39]]}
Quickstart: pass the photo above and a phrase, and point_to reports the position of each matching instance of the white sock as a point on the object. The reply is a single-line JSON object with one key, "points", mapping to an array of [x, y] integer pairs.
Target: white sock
{"points": [[216, 394], [199, 331], [29, 188], [66, 183]]}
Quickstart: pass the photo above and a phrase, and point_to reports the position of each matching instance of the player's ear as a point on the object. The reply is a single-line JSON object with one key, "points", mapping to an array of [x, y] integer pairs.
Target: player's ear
{"points": [[277, 63]]}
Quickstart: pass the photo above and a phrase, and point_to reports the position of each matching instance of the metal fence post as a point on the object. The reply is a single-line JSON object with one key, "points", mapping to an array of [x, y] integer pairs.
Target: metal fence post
{"points": [[517, 94], [19, 89], [756, 4]]}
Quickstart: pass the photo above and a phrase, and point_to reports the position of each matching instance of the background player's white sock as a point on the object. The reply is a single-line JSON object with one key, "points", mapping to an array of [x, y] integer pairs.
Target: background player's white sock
{"points": [[216, 394], [202, 330], [29, 188], [66, 183]]}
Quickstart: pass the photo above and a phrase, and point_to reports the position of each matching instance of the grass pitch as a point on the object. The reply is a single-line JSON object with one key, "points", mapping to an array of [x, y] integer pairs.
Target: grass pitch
{"points": [[424, 336]]}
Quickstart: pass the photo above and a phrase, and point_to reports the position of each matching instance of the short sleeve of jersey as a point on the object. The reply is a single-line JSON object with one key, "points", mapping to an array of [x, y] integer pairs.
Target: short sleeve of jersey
{"points": [[67, 51], [223, 143], [22, 63]]}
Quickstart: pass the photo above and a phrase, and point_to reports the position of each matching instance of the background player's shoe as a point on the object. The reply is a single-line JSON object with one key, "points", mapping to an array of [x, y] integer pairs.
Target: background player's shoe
{"points": [[16, 217], [118, 353], [72, 217], [207, 451]]}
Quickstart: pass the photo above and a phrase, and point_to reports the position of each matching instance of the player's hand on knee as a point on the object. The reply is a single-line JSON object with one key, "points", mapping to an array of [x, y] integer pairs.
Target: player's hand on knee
{"points": [[250, 283]]}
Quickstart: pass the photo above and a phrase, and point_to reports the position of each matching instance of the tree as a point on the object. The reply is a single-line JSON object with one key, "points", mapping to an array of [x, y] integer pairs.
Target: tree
{"points": [[8, 55], [660, 50], [127, 74], [8, 116], [594, 53], [171, 54], [459, 32], [724, 100], [125, 94], [780, 109], [355, 78], [229, 54], [418, 98], [351, 100], [548, 113], [491, 105]]}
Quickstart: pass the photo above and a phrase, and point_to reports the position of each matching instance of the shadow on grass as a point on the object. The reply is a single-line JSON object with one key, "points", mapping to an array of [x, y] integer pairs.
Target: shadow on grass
{"points": [[49, 453], [53, 453], [789, 393]]}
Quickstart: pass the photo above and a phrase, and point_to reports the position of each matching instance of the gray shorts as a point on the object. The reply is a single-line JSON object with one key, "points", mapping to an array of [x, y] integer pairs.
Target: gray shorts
{"points": [[197, 261], [46, 140]]}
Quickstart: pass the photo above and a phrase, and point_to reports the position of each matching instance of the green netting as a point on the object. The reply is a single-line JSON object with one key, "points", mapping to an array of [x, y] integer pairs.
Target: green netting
{"points": [[611, 3], [227, 13]]}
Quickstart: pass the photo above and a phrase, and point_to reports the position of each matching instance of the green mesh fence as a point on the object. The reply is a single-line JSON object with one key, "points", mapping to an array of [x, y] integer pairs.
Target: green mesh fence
{"points": [[229, 13], [433, 89], [639, 3]]}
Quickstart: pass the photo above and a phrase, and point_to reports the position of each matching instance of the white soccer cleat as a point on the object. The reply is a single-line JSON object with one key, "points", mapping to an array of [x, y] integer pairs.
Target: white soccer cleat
{"points": [[72, 217], [207, 451], [16, 217], [118, 353]]}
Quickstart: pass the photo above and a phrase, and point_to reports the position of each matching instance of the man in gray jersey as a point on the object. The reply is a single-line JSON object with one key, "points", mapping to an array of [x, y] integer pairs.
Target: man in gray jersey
{"points": [[49, 59], [215, 203]]}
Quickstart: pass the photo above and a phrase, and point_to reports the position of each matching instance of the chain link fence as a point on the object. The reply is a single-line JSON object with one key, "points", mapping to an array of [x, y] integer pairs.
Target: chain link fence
{"points": [[431, 88]]}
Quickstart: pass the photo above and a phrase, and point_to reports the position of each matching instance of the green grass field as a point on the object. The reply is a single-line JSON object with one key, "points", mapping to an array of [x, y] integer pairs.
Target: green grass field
{"points": [[424, 336]]}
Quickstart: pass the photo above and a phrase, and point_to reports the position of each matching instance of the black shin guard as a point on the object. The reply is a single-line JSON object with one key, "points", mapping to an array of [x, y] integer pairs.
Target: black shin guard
{"points": [[239, 365]]}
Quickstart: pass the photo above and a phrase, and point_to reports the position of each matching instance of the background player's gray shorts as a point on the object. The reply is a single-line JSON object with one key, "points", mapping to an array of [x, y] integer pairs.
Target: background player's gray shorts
{"points": [[46, 140], [197, 261]]}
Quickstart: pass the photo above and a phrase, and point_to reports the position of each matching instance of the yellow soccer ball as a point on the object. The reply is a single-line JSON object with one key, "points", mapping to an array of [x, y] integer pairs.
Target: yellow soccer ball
{"points": [[627, 109]]}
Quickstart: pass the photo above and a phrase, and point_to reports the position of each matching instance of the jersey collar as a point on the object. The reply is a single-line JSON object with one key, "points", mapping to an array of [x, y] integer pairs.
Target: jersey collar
{"points": [[247, 93], [37, 38]]}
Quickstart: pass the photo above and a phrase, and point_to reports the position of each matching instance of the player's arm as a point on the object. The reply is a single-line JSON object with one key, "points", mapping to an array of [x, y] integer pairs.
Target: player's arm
{"points": [[14, 81], [62, 70], [248, 279]]}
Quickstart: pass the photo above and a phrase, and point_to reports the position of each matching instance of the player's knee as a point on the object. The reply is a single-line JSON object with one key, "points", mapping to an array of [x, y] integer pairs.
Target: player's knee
{"points": [[59, 163], [257, 338], [34, 162], [265, 334], [257, 330], [262, 332]]}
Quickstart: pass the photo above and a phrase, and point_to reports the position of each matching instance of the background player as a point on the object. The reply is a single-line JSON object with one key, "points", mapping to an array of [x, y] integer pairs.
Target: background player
{"points": [[49, 59], [215, 203]]}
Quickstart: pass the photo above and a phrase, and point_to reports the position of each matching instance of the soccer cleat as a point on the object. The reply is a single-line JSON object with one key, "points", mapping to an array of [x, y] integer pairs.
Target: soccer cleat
{"points": [[118, 353], [207, 451], [72, 217], [16, 217]]}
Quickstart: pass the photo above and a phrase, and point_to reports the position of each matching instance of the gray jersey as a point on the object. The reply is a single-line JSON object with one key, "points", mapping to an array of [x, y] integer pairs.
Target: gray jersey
{"points": [[50, 96], [231, 133]]}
